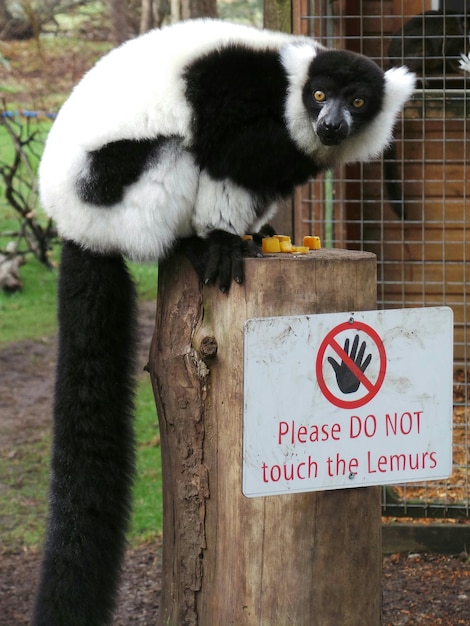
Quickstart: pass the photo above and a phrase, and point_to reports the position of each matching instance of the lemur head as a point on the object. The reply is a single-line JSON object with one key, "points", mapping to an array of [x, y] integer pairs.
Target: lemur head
{"points": [[341, 107], [343, 92]]}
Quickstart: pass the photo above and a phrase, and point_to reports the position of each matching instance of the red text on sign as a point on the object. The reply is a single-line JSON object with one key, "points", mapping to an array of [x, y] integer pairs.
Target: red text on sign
{"points": [[366, 426], [290, 471], [401, 462], [290, 432], [403, 424], [338, 466], [397, 423]]}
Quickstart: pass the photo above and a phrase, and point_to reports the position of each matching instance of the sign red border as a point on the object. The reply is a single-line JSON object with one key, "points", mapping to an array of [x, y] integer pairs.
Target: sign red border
{"points": [[372, 388]]}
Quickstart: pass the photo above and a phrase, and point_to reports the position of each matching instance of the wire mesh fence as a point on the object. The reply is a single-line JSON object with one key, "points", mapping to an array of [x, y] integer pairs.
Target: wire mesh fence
{"points": [[410, 208]]}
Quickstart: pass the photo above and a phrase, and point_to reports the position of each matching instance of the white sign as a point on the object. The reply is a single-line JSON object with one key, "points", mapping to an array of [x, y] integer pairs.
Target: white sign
{"points": [[347, 400]]}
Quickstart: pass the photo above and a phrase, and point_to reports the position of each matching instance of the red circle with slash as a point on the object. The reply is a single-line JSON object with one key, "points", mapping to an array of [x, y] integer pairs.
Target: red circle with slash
{"points": [[372, 388]]}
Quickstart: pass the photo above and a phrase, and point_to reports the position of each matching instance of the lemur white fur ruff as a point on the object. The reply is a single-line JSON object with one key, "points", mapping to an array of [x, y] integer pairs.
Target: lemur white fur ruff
{"points": [[184, 137], [138, 92]]}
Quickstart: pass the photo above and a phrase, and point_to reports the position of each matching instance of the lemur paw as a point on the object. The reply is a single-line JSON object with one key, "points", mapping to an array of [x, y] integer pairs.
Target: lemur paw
{"points": [[218, 259], [265, 231], [464, 62]]}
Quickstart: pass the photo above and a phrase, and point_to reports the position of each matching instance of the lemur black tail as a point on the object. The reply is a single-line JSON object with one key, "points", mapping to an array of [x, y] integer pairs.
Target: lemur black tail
{"points": [[393, 182], [93, 447]]}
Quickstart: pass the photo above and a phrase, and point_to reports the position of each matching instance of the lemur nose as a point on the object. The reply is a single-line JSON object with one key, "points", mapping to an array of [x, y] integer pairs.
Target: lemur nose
{"points": [[333, 125]]}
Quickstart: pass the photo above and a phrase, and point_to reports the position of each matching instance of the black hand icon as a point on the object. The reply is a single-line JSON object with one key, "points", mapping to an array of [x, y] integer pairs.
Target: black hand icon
{"points": [[347, 381]]}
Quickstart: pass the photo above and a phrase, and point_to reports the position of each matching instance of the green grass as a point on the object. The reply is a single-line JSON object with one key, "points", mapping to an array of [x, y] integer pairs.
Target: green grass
{"points": [[23, 498], [31, 314], [24, 466], [25, 475], [147, 520]]}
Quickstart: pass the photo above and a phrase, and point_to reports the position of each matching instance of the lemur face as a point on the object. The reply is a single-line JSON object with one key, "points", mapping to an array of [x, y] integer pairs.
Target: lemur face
{"points": [[343, 93]]}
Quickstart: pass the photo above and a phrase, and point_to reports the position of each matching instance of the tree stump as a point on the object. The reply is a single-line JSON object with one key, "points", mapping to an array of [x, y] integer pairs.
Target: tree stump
{"points": [[306, 559]]}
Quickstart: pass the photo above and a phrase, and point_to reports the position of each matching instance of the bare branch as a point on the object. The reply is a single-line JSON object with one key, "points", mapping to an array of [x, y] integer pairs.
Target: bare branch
{"points": [[35, 235]]}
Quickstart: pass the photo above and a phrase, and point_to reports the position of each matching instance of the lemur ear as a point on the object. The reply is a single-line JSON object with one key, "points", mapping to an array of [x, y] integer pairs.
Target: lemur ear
{"points": [[399, 85]]}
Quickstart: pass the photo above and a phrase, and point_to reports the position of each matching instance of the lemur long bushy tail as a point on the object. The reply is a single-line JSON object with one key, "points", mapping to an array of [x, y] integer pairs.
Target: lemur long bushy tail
{"points": [[93, 450]]}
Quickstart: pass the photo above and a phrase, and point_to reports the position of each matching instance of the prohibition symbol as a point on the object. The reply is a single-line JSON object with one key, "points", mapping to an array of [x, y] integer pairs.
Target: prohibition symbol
{"points": [[350, 365]]}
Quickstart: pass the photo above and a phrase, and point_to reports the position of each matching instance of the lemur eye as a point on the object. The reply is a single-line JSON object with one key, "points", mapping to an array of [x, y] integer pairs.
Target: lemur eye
{"points": [[319, 96], [358, 103]]}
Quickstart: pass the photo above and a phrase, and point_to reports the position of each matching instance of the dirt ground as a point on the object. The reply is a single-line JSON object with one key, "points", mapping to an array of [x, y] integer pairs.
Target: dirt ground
{"points": [[426, 589]]}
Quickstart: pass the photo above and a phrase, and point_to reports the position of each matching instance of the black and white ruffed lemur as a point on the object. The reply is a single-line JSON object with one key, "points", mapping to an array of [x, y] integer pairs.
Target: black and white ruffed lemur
{"points": [[186, 136]]}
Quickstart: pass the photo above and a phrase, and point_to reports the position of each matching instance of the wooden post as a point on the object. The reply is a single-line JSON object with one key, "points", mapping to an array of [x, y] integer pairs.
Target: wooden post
{"points": [[302, 559]]}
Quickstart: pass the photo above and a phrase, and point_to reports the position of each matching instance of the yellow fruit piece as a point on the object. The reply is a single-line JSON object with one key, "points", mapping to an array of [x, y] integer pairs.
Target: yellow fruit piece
{"points": [[270, 245], [282, 237], [312, 242], [247, 237], [317, 243], [300, 249], [285, 246]]}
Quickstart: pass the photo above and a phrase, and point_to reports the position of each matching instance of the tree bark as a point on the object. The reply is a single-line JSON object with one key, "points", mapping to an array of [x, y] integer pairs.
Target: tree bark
{"points": [[198, 8], [147, 19], [312, 558], [119, 20]]}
